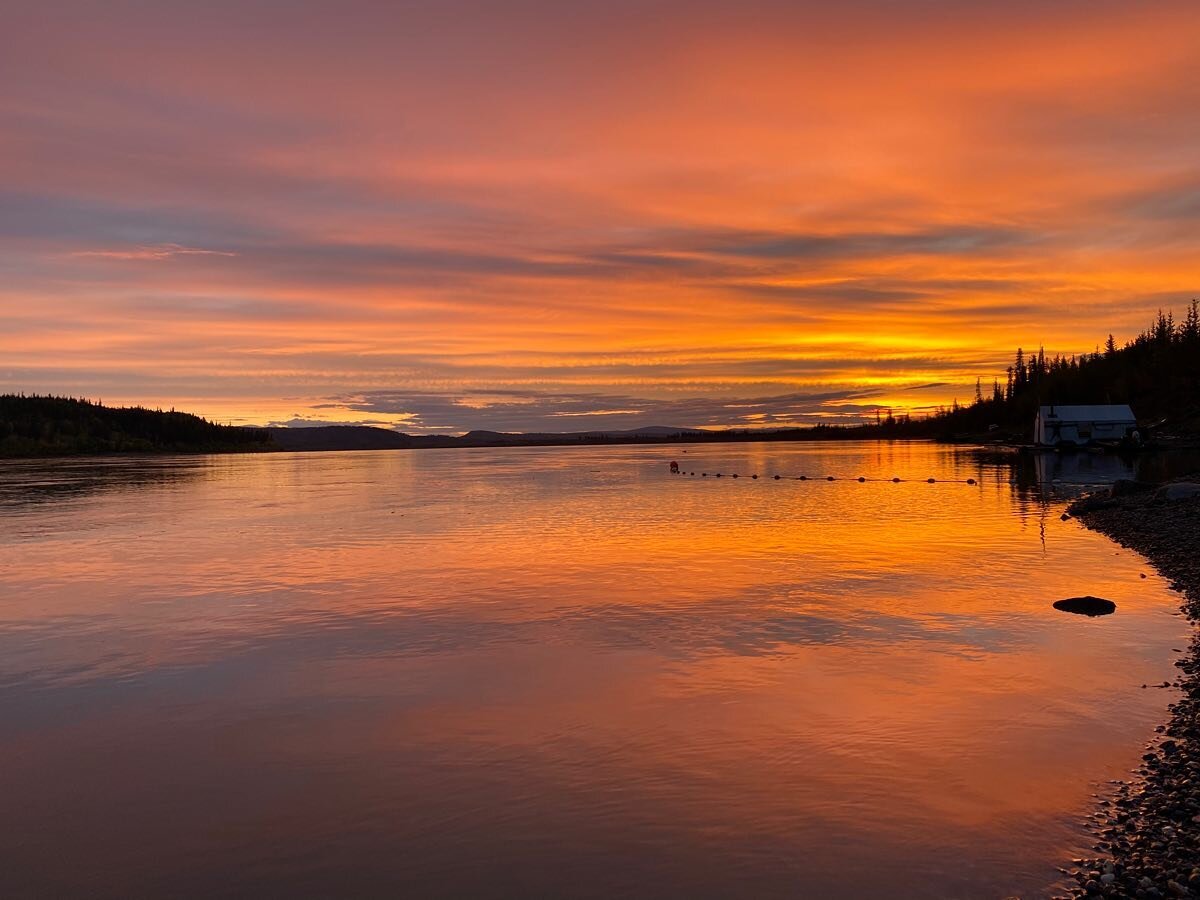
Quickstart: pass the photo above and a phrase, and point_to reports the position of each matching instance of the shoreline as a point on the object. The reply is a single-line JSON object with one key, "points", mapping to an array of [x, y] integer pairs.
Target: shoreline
{"points": [[1148, 832], [457, 443]]}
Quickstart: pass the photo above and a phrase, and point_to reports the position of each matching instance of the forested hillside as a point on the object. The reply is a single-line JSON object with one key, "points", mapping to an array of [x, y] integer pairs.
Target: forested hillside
{"points": [[49, 426], [1157, 373]]}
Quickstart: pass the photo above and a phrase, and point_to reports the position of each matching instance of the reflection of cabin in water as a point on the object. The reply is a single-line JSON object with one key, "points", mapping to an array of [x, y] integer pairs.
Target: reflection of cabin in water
{"points": [[1057, 426]]}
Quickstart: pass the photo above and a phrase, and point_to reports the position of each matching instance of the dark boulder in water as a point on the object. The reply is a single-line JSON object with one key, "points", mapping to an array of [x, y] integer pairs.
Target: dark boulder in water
{"points": [[1086, 606]]}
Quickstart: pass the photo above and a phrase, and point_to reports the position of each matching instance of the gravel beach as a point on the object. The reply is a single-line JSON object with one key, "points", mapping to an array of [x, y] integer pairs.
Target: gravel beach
{"points": [[1149, 832]]}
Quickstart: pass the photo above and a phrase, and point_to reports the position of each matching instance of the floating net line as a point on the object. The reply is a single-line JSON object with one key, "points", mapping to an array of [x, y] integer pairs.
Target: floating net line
{"points": [[862, 479]]}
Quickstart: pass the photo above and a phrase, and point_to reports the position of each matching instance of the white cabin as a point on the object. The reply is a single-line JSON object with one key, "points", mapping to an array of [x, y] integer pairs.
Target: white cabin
{"points": [[1078, 425]]}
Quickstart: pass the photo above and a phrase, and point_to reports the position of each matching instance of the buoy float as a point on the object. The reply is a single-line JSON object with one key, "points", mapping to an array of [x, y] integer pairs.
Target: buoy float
{"points": [[776, 477], [861, 479], [931, 480], [804, 478], [970, 481], [830, 478], [895, 481], [755, 477]]}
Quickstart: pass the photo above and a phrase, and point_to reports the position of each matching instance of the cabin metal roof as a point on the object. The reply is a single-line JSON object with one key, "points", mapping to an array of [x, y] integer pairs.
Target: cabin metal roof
{"points": [[1115, 412]]}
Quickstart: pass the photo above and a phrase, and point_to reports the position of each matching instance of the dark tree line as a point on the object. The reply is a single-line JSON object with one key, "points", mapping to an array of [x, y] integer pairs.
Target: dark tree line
{"points": [[1157, 374], [48, 426]]}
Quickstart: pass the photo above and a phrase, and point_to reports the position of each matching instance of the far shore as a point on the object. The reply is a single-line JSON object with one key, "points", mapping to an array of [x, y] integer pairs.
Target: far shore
{"points": [[310, 440]]}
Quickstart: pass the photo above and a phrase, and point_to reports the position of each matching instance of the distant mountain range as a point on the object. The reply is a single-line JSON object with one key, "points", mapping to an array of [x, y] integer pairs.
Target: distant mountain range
{"points": [[338, 437], [66, 426], [366, 437], [35, 425]]}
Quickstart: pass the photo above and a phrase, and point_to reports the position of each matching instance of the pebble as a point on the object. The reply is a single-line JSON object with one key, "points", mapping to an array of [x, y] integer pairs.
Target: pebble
{"points": [[1150, 841]]}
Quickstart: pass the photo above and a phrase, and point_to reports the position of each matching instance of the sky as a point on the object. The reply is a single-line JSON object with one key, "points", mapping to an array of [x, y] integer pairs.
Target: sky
{"points": [[561, 216]]}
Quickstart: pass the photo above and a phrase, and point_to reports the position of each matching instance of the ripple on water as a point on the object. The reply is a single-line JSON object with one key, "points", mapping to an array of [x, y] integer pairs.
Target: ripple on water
{"points": [[500, 671]]}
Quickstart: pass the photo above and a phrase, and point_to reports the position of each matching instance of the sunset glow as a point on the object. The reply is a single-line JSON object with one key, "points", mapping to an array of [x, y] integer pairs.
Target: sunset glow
{"points": [[555, 217]]}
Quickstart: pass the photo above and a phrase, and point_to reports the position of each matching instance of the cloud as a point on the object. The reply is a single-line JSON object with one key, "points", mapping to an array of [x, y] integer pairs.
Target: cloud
{"points": [[157, 252], [299, 421], [966, 239], [1169, 203], [537, 411]]}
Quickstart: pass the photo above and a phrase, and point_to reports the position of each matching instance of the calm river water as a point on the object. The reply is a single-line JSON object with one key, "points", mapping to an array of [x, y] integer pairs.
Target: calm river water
{"points": [[537, 672]]}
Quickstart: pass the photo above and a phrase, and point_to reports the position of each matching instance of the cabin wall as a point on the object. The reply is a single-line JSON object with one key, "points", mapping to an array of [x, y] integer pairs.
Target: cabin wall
{"points": [[1056, 431]]}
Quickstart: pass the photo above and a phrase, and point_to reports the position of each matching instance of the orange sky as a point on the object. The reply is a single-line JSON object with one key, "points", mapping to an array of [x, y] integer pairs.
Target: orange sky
{"points": [[548, 216]]}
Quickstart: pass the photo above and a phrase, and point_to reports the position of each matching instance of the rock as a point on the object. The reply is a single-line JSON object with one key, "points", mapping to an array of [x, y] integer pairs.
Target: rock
{"points": [[1123, 487], [1181, 490], [1091, 502], [1086, 606]]}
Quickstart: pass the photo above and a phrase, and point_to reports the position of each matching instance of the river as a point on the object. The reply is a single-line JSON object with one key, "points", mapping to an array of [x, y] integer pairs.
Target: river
{"points": [[561, 671]]}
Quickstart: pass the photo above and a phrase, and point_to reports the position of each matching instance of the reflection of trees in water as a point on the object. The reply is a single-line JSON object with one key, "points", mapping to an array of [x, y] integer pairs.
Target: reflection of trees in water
{"points": [[31, 482], [1057, 475], [1167, 465], [1040, 481]]}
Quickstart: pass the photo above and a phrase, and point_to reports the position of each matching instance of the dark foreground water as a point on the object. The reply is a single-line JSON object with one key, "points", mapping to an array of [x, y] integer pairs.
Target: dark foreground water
{"points": [[559, 672]]}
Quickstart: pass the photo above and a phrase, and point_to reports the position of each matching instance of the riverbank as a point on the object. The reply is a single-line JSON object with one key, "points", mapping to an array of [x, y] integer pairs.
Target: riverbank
{"points": [[1149, 832]]}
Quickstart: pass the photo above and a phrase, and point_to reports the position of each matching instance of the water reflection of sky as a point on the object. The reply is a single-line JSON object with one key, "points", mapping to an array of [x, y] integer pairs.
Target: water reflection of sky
{"points": [[560, 671]]}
